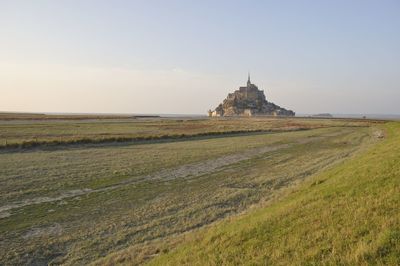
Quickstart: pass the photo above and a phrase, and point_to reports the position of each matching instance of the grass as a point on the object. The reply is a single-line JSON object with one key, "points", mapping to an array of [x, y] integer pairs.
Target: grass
{"points": [[347, 215], [47, 132], [47, 173], [140, 199]]}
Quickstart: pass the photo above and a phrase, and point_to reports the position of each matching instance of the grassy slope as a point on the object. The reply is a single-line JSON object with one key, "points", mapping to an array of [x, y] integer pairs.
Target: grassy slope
{"points": [[347, 215]]}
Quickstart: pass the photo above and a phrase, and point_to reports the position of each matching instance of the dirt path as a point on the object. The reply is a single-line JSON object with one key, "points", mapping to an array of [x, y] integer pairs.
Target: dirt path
{"points": [[184, 171]]}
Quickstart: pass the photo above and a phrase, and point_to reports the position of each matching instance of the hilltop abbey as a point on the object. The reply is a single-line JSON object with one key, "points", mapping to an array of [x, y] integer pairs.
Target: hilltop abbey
{"points": [[248, 101]]}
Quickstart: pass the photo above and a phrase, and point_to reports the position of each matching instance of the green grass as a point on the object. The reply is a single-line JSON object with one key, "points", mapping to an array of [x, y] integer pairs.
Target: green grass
{"points": [[138, 214], [347, 215]]}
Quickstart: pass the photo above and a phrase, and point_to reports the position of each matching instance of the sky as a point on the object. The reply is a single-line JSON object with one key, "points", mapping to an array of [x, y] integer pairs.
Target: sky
{"points": [[184, 57]]}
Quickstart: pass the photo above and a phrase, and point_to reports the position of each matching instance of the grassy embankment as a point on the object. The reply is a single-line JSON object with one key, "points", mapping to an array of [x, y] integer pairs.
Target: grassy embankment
{"points": [[347, 215], [148, 192]]}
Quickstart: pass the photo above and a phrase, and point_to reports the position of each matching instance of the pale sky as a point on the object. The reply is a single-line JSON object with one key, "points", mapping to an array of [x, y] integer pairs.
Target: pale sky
{"points": [[184, 57]]}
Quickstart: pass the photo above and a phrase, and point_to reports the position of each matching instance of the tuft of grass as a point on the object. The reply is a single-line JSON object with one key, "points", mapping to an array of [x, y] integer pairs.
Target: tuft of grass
{"points": [[347, 215]]}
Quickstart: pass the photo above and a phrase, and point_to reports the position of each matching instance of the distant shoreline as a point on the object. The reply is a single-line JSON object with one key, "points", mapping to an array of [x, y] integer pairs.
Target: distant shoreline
{"points": [[55, 115]]}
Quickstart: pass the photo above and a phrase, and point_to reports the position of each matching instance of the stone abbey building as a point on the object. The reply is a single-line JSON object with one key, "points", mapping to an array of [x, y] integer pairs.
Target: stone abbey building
{"points": [[248, 101]]}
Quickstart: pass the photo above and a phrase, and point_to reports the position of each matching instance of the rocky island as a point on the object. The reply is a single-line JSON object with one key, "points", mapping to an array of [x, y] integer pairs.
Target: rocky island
{"points": [[248, 101]]}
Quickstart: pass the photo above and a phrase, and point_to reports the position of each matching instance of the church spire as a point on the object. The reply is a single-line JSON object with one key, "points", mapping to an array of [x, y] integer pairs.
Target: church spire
{"points": [[248, 80]]}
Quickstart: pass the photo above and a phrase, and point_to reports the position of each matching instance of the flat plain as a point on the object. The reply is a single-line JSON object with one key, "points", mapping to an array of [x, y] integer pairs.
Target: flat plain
{"points": [[123, 190]]}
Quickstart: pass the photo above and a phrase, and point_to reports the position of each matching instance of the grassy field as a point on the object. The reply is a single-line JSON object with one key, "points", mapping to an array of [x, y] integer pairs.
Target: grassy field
{"points": [[37, 130], [127, 201], [346, 215]]}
